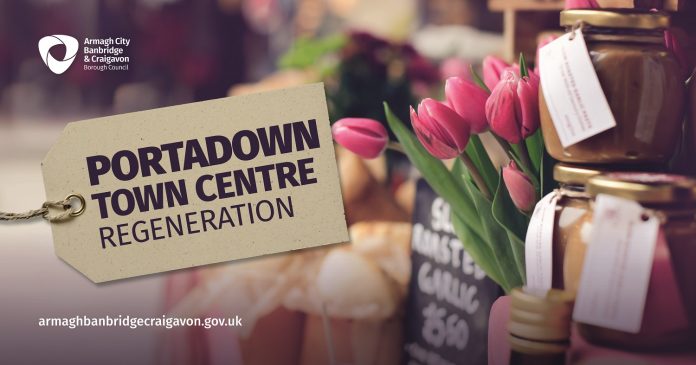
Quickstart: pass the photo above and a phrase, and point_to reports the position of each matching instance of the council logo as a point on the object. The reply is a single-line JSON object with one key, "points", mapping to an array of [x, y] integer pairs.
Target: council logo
{"points": [[71, 46]]}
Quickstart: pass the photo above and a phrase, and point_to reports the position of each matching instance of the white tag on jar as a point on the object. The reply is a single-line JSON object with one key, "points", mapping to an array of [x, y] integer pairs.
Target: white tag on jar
{"points": [[197, 184], [616, 272], [539, 245], [573, 94]]}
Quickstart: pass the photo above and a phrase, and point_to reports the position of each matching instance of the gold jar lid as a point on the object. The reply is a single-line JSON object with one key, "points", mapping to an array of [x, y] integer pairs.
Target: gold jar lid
{"points": [[560, 319], [540, 317], [645, 187], [573, 175], [632, 19], [543, 333], [535, 347]]}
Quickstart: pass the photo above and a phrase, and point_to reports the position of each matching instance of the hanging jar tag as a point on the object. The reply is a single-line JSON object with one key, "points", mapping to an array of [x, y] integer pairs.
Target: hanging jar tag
{"points": [[539, 245], [573, 94], [197, 184], [616, 272]]}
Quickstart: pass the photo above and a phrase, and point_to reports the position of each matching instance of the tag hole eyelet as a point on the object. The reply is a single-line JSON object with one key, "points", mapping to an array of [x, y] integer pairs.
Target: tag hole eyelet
{"points": [[644, 217], [76, 204]]}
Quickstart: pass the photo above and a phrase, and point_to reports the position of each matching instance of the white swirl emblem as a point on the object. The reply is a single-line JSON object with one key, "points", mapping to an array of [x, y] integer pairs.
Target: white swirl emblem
{"points": [[71, 46]]}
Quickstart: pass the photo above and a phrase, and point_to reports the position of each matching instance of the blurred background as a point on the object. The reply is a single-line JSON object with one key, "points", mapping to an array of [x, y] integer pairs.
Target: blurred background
{"points": [[185, 50], [181, 51]]}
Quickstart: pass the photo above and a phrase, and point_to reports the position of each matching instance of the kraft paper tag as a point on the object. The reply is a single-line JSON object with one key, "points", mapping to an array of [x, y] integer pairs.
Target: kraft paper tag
{"points": [[616, 272], [539, 245], [197, 184], [573, 94]]}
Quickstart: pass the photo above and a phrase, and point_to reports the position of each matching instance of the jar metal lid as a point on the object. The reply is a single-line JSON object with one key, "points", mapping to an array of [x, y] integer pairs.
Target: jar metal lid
{"points": [[556, 303], [539, 333], [542, 319], [644, 187], [631, 19], [574, 175], [536, 348]]}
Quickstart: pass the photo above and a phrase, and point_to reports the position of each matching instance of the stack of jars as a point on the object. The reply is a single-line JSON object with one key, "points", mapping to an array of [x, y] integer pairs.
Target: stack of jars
{"points": [[647, 92]]}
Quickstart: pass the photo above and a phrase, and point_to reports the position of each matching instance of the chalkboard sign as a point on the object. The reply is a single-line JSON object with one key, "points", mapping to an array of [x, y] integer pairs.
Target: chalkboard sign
{"points": [[450, 297]]}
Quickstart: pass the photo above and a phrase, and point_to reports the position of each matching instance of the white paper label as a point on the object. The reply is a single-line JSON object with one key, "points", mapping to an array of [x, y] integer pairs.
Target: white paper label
{"points": [[539, 245], [616, 272], [573, 94]]}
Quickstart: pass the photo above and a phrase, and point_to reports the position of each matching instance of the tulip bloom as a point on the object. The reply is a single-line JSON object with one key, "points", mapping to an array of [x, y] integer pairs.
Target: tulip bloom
{"points": [[440, 129], [469, 101], [455, 67], [493, 68], [520, 187], [513, 107], [581, 4], [365, 137]]}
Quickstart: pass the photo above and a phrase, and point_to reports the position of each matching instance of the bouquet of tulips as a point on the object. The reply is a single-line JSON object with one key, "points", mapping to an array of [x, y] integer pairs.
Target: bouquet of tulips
{"points": [[490, 204]]}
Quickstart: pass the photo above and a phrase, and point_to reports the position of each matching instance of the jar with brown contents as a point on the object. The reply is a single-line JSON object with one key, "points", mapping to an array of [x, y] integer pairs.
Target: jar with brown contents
{"points": [[643, 84], [669, 318], [570, 219]]}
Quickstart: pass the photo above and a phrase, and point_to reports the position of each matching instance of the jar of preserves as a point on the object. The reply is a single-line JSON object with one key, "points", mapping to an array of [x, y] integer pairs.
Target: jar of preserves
{"points": [[539, 327], [669, 317], [643, 84], [570, 219]]}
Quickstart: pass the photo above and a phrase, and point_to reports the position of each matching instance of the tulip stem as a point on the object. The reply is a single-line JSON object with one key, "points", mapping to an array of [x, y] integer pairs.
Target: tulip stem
{"points": [[396, 146], [524, 155], [476, 175], [522, 159], [504, 145], [526, 163]]}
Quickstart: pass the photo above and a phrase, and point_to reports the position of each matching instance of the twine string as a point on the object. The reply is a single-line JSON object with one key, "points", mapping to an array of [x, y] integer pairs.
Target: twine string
{"points": [[577, 26], [52, 211]]}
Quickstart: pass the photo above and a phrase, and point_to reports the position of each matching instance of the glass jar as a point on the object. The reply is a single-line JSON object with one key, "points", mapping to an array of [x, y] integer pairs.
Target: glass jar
{"points": [[669, 317], [571, 217], [642, 82], [539, 327]]}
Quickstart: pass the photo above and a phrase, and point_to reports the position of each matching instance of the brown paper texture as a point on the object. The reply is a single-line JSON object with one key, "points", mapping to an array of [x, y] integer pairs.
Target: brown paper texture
{"points": [[315, 217]]}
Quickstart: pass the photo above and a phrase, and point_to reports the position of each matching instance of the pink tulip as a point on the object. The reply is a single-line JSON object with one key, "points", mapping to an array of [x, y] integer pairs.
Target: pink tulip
{"points": [[581, 4], [513, 107], [440, 129], [455, 67], [469, 101], [520, 187], [493, 68], [365, 137]]}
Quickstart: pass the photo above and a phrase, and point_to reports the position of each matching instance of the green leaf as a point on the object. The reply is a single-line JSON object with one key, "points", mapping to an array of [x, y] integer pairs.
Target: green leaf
{"points": [[477, 246], [513, 221], [306, 52], [521, 150], [535, 146], [479, 251], [524, 72], [497, 240], [435, 173], [479, 156], [477, 79]]}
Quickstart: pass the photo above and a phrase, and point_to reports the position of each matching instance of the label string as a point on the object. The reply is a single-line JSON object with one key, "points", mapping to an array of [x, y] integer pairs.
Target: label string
{"points": [[70, 207]]}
